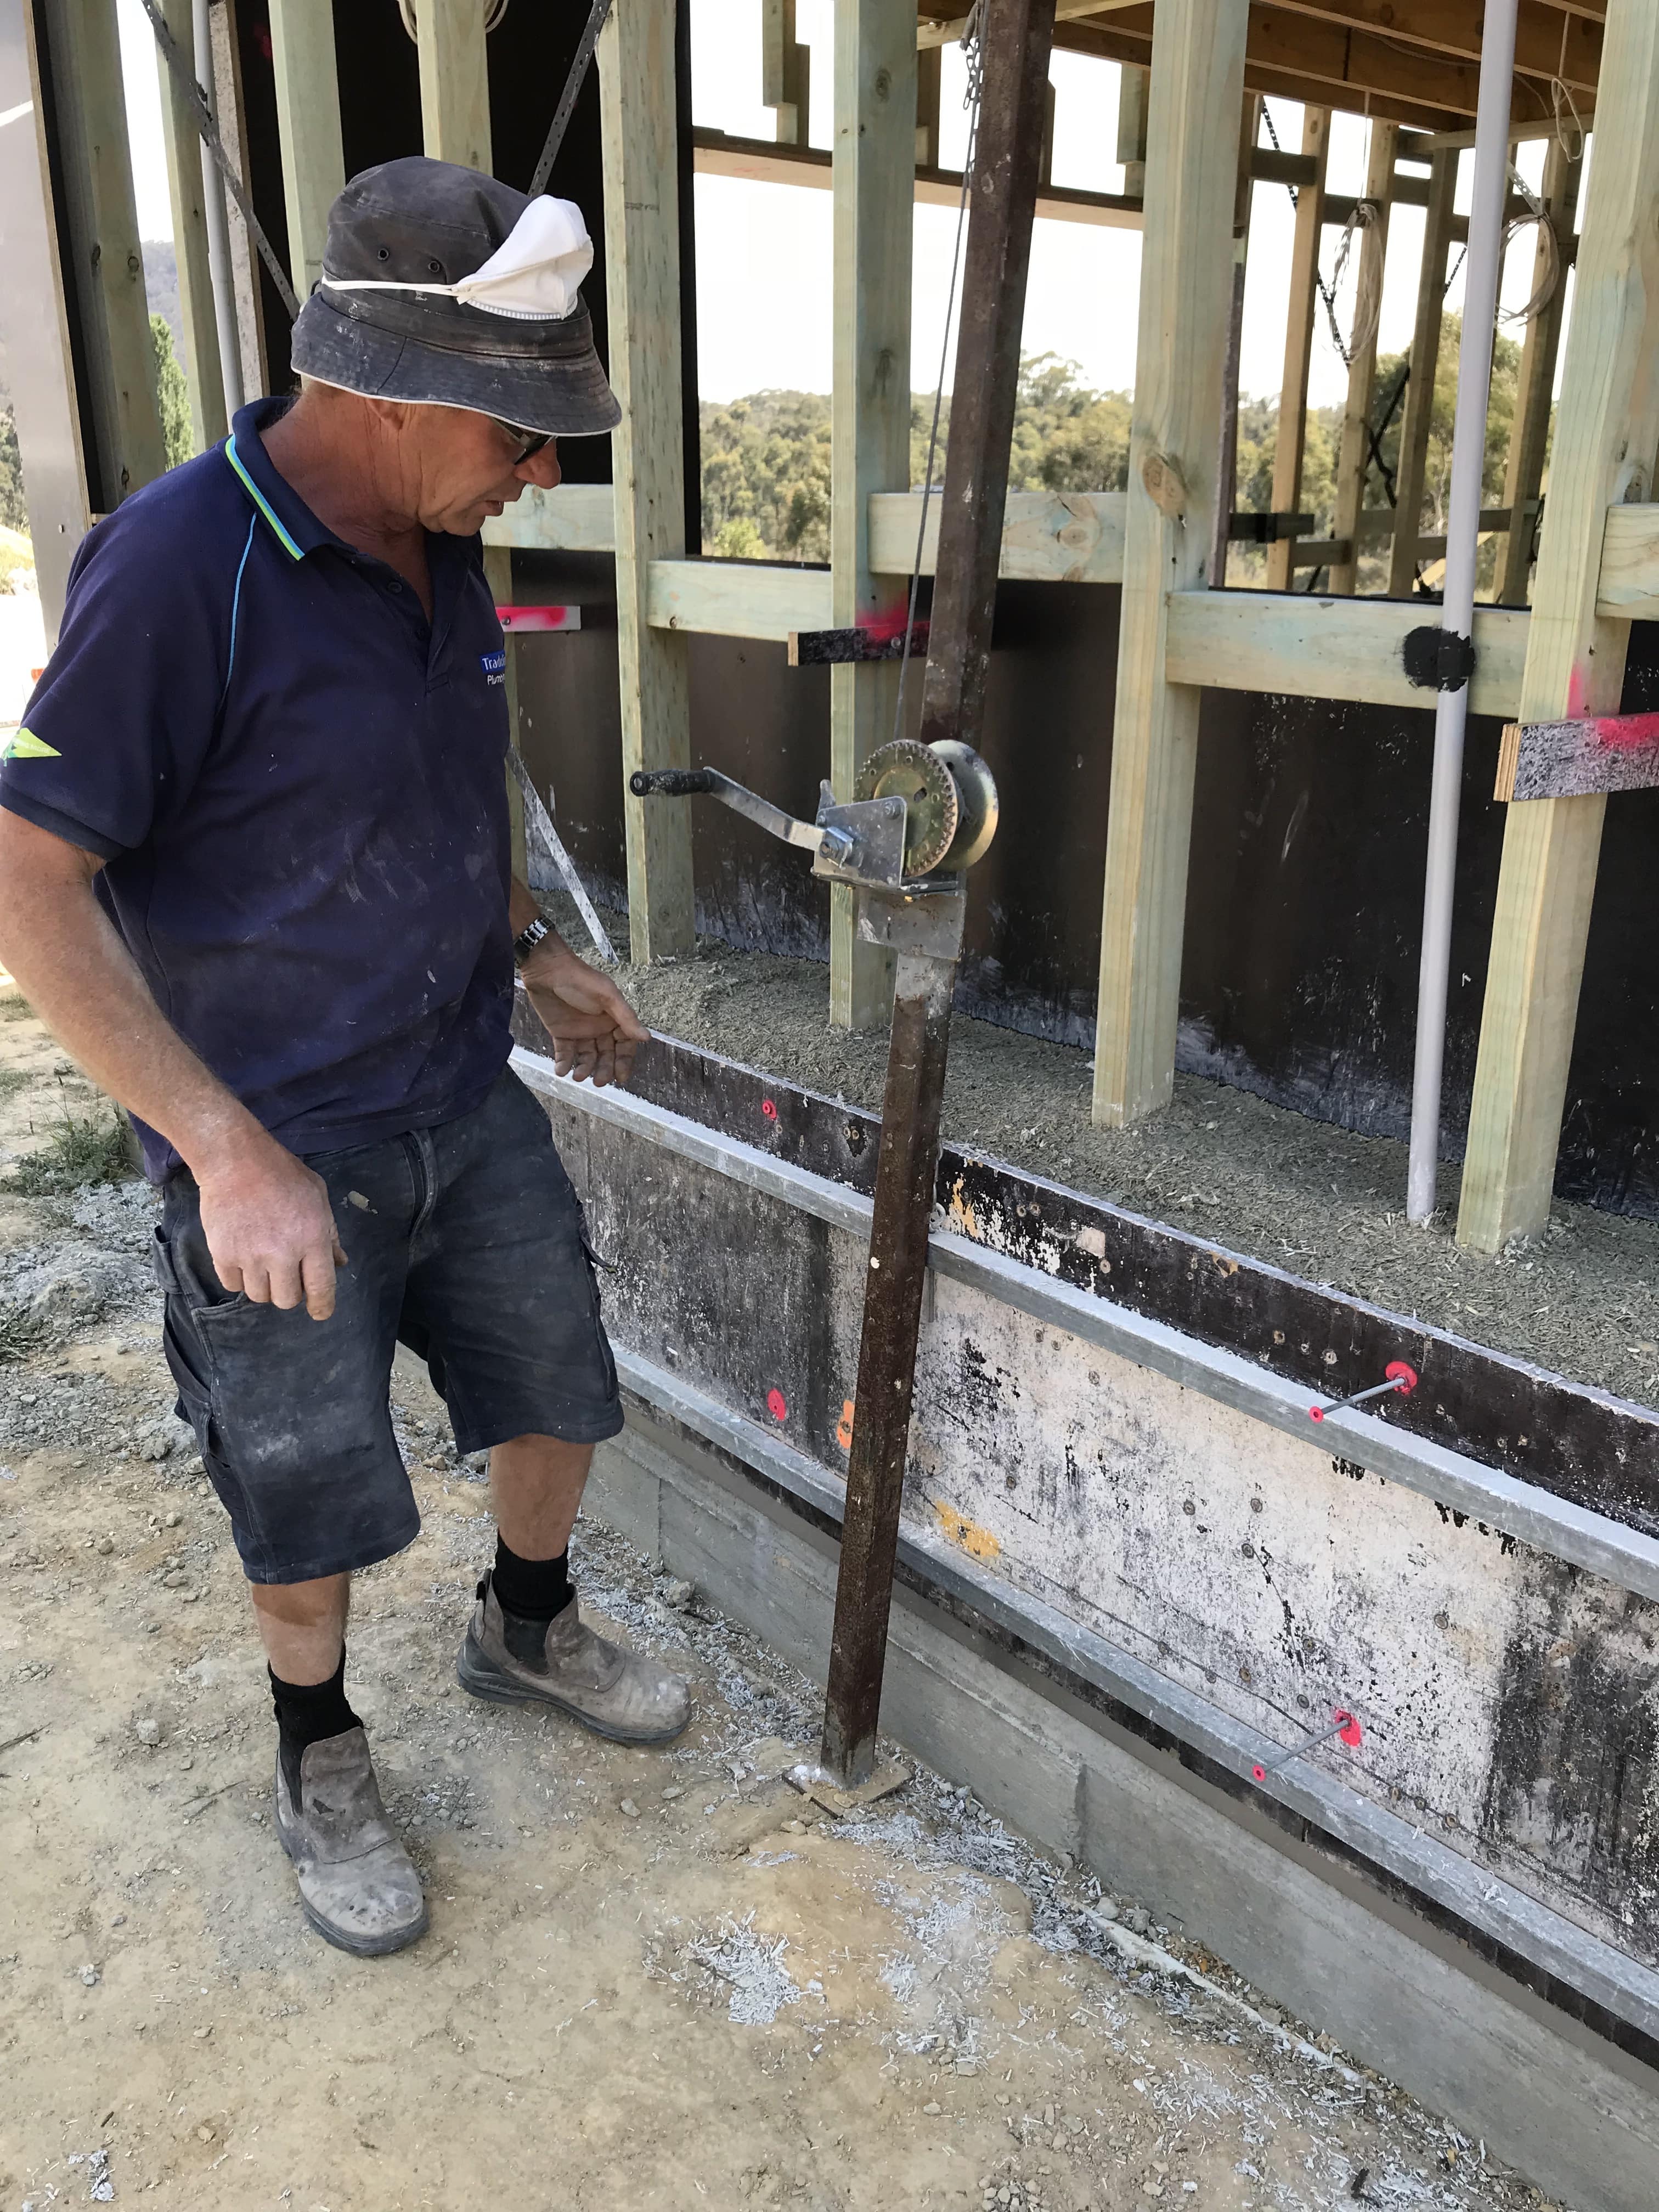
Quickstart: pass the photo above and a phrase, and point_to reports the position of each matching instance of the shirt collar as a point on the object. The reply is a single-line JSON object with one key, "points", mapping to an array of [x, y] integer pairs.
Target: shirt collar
{"points": [[296, 529]]}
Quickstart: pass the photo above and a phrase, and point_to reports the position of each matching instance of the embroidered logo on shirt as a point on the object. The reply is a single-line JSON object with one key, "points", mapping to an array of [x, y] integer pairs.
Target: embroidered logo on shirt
{"points": [[493, 665], [25, 746]]}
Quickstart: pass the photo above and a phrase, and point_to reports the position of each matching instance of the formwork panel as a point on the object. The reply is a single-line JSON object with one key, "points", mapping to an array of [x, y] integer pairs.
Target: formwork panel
{"points": [[1508, 1701]]}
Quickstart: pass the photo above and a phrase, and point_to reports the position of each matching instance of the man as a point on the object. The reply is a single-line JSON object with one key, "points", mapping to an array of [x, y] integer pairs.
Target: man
{"points": [[254, 873]]}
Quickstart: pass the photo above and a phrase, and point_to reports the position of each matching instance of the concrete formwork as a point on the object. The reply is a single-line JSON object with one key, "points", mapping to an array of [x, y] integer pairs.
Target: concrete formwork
{"points": [[1191, 1584]]}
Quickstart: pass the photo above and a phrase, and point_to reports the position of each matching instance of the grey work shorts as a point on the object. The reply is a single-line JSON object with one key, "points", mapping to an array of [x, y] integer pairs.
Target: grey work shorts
{"points": [[465, 1241]]}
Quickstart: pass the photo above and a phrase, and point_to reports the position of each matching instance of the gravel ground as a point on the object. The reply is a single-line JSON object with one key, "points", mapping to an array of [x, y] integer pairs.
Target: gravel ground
{"points": [[1257, 1179], [664, 1971]]}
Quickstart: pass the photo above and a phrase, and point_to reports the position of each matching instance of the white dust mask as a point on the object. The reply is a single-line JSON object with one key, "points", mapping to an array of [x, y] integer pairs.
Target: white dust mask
{"points": [[532, 276]]}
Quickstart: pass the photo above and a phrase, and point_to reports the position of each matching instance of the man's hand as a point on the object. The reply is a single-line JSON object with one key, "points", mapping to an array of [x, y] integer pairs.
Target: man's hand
{"points": [[270, 1227], [595, 1032]]}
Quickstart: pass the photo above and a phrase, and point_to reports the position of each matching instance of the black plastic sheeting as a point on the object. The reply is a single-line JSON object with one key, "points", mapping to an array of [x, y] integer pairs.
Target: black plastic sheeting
{"points": [[1305, 887]]}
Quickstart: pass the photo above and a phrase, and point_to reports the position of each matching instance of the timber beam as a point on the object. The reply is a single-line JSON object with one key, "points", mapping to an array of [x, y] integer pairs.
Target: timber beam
{"points": [[1563, 760], [1291, 441], [101, 229], [1350, 54]]}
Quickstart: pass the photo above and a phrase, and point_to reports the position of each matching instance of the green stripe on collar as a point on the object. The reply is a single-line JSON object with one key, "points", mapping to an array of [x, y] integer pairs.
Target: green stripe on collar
{"points": [[260, 499]]}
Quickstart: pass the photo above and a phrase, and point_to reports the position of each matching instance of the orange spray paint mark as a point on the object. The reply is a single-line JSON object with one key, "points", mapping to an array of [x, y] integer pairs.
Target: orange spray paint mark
{"points": [[844, 1426], [978, 1543], [961, 1213]]}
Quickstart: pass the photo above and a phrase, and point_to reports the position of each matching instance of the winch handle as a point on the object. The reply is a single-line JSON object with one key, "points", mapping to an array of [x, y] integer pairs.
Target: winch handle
{"points": [[674, 782]]}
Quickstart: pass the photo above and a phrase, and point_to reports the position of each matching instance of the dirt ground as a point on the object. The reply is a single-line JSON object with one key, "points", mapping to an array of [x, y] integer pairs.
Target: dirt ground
{"points": [[1254, 1178], [653, 1979]]}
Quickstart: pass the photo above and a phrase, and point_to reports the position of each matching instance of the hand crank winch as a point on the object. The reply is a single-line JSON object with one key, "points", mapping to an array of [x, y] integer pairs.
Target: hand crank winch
{"points": [[920, 816]]}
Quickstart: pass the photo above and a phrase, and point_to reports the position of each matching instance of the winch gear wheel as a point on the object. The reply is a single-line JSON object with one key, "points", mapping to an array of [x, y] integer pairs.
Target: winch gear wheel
{"points": [[905, 769]]}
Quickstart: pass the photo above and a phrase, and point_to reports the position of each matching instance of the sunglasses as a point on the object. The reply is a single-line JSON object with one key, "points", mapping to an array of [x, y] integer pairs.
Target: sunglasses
{"points": [[528, 442]]}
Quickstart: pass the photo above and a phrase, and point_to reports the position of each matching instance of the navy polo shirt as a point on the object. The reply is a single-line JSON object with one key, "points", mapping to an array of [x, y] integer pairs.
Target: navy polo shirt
{"points": [[297, 785]]}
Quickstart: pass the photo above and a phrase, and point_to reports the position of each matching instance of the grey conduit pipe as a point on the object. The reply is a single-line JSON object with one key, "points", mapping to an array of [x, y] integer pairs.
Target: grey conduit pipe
{"points": [[1492, 168], [220, 272]]}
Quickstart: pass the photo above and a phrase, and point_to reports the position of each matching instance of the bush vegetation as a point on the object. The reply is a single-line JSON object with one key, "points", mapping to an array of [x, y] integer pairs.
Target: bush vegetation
{"points": [[766, 459]]}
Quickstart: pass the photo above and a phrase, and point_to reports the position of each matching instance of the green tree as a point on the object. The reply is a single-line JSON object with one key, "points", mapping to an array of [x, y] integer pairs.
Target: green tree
{"points": [[1066, 437], [14, 515], [766, 459], [171, 395], [765, 465], [1257, 433]]}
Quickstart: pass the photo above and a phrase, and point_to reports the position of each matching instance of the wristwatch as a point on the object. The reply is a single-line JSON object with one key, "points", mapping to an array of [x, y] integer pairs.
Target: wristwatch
{"points": [[529, 938]]}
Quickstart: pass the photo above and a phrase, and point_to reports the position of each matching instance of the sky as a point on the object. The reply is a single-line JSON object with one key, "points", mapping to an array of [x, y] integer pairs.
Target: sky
{"points": [[764, 250]]}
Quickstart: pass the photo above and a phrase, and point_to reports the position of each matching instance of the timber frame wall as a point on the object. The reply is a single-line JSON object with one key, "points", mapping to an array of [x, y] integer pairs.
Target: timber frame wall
{"points": [[1598, 560], [1189, 171]]}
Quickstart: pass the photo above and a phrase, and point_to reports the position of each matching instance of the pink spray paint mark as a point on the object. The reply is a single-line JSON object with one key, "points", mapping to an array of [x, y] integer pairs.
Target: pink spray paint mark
{"points": [[1350, 1733], [769, 1107], [1628, 734], [777, 1405], [883, 626]]}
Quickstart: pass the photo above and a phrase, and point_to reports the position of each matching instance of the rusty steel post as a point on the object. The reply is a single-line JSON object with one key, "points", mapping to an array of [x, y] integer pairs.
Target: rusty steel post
{"points": [[887, 1354], [1015, 44], [925, 929]]}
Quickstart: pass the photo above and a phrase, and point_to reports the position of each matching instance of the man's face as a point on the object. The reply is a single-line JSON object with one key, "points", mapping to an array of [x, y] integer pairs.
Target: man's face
{"points": [[467, 467]]}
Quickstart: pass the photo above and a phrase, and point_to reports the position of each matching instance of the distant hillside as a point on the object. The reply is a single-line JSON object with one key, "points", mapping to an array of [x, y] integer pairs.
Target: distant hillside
{"points": [[161, 287], [161, 290]]}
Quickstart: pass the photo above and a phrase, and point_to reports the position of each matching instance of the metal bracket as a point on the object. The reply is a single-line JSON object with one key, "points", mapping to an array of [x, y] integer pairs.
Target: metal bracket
{"points": [[925, 918], [875, 829], [1437, 660]]}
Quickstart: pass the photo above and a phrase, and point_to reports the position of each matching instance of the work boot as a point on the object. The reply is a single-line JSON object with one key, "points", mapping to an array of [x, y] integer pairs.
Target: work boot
{"points": [[357, 1883], [612, 1692]]}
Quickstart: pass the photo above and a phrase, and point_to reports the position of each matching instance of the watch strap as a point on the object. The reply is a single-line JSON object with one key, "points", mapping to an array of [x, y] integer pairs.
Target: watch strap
{"points": [[529, 938]]}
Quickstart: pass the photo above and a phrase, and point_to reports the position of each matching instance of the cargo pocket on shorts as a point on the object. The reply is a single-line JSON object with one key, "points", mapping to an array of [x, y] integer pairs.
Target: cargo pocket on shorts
{"points": [[188, 1354], [594, 1263]]}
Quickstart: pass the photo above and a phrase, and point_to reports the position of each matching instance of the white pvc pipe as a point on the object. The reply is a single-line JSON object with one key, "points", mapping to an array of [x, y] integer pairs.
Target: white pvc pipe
{"points": [[221, 274], [1491, 169]]}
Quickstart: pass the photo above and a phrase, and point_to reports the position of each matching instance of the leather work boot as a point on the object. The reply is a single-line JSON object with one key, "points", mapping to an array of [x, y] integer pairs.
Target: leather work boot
{"points": [[357, 1883], [612, 1692]]}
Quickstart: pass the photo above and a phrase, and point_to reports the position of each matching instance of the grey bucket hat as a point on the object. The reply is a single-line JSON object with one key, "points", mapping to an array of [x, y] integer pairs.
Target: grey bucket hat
{"points": [[415, 220]]}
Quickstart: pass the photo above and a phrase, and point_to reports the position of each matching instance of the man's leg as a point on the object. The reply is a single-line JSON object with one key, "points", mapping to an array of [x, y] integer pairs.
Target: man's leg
{"points": [[503, 1303], [537, 1483], [302, 1627], [291, 1415], [528, 1642]]}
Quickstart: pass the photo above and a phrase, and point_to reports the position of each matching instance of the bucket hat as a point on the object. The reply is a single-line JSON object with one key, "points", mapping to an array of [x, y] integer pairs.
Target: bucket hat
{"points": [[442, 286]]}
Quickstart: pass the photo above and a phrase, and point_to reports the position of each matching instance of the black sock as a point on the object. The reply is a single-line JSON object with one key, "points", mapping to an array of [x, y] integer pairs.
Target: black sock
{"points": [[530, 1590], [307, 1712]]}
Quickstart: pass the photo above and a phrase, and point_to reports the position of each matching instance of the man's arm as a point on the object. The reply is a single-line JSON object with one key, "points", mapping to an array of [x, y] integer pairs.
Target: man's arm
{"points": [[269, 1225], [595, 1032]]}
